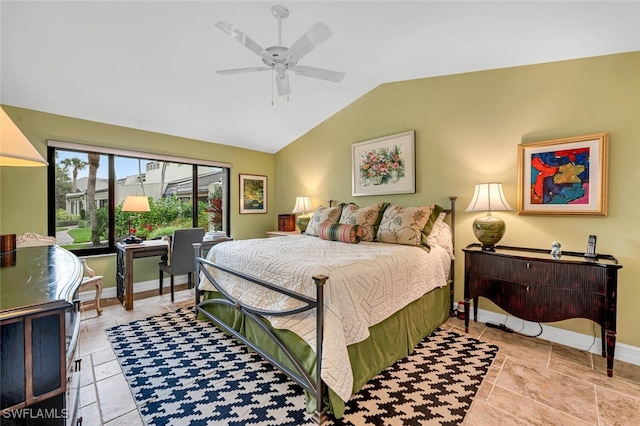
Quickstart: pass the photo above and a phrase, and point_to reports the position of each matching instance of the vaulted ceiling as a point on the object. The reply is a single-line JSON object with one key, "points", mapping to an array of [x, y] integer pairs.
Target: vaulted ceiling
{"points": [[151, 65]]}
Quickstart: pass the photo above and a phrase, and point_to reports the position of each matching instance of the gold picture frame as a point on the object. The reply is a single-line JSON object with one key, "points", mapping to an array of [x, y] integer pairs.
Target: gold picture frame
{"points": [[253, 194], [565, 176], [384, 165]]}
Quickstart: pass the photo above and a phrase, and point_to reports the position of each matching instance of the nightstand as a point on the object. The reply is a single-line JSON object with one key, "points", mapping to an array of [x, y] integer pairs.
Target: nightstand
{"points": [[533, 285], [281, 233]]}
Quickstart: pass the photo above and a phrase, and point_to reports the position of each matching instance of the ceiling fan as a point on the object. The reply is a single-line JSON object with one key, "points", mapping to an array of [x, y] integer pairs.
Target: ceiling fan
{"points": [[281, 59]]}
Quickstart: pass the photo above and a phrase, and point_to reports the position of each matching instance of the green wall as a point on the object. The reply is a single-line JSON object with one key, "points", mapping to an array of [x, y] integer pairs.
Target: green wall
{"points": [[468, 127], [23, 191]]}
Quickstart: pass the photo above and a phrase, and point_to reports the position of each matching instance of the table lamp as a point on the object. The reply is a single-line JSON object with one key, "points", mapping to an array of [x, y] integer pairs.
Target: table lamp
{"points": [[488, 229], [302, 207], [15, 148], [15, 151], [134, 204]]}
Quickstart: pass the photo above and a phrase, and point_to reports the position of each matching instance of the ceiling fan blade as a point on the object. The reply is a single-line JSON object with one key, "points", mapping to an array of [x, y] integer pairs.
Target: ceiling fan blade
{"points": [[282, 83], [242, 70], [318, 33], [320, 73], [241, 37]]}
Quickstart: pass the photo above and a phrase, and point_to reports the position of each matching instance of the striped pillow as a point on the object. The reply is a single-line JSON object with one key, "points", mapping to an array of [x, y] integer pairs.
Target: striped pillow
{"points": [[340, 232]]}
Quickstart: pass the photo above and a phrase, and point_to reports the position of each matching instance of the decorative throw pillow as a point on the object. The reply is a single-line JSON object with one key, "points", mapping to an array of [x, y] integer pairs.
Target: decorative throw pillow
{"points": [[367, 217], [322, 215], [403, 225], [433, 217], [340, 232]]}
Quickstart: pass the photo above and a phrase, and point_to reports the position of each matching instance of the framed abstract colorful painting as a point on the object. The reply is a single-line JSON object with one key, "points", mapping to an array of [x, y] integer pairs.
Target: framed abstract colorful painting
{"points": [[564, 176], [384, 165]]}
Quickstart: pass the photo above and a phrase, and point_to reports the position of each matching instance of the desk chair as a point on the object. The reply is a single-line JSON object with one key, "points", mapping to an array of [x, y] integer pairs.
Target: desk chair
{"points": [[92, 280], [181, 258], [31, 239]]}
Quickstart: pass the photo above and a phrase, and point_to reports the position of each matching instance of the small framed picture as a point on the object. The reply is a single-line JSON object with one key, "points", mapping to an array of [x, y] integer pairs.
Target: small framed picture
{"points": [[564, 176], [253, 194]]}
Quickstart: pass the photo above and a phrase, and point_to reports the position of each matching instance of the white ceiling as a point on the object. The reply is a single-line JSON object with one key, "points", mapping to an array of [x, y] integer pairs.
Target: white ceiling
{"points": [[150, 64]]}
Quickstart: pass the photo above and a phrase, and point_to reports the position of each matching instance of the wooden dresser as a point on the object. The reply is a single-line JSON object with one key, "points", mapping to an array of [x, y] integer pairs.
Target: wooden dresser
{"points": [[535, 286], [39, 328]]}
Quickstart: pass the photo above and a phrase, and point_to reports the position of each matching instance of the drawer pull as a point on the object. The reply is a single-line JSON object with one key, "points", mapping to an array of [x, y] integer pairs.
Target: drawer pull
{"points": [[528, 265], [527, 289]]}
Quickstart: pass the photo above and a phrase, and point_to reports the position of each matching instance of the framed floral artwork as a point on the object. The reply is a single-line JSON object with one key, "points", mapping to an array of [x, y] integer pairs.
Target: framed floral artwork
{"points": [[564, 176], [253, 194], [384, 166]]}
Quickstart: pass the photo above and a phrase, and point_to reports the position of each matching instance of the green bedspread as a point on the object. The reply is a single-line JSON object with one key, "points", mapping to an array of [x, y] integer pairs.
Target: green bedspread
{"points": [[390, 340]]}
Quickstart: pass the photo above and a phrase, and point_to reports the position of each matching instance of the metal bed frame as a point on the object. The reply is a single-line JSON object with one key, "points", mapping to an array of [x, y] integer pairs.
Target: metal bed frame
{"points": [[314, 386]]}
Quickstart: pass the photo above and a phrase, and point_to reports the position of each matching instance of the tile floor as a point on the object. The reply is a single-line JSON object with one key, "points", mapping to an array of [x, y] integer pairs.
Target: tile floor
{"points": [[531, 381]]}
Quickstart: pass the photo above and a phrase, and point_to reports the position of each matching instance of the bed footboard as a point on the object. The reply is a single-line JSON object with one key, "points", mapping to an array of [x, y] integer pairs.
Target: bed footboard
{"points": [[313, 385]]}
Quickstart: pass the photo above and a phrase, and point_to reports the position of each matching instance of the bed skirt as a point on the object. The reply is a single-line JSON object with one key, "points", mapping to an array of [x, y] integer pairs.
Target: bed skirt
{"points": [[385, 345]]}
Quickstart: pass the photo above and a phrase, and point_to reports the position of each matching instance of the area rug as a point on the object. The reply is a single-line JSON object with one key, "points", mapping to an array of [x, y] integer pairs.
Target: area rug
{"points": [[186, 372]]}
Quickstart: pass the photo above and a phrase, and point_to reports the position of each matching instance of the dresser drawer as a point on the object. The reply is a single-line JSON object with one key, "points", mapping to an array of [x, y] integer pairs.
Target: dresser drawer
{"points": [[536, 302], [591, 279], [508, 269]]}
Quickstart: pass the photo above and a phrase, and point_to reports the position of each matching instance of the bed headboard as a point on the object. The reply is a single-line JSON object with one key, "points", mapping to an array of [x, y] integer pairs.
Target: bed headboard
{"points": [[451, 214]]}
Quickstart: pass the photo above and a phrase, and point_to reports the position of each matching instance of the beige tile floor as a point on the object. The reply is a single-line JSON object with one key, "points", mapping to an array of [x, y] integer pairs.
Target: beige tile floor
{"points": [[531, 381]]}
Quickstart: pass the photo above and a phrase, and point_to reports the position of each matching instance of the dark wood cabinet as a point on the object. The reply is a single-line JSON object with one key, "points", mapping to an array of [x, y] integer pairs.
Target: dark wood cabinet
{"points": [[39, 327], [535, 286]]}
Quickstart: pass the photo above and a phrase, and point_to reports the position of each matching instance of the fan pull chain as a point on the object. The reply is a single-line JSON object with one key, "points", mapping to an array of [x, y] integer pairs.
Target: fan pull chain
{"points": [[272, 80]]}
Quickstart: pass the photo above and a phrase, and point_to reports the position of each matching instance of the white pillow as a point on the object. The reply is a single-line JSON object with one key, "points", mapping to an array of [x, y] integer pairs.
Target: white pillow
{"points": [[440, 235]]}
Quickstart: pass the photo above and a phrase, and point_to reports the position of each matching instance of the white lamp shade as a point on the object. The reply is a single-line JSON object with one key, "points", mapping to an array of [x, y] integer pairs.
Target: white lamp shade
{"points": [[488, 197], [136, 203], [15, 148], [303, 205]]}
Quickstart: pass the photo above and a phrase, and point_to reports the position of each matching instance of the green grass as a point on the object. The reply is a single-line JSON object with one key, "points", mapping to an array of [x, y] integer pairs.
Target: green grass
{"points": [[80, 235]]}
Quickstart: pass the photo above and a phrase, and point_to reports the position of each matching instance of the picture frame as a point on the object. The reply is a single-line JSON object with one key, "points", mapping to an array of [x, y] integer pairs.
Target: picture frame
{"points": [[384, 165], [253, 194], [565, 176]]}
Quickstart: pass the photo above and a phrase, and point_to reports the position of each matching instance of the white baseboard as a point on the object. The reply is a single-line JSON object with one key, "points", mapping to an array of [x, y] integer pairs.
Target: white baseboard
{"points": [[626, 353]]}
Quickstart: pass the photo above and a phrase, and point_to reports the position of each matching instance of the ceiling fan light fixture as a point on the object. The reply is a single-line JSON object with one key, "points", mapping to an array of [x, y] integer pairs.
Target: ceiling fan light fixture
{"points": [[282, 84]]}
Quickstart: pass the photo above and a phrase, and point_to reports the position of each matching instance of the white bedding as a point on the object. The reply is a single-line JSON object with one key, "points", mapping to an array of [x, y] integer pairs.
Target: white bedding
{"points": [[367, 283]]}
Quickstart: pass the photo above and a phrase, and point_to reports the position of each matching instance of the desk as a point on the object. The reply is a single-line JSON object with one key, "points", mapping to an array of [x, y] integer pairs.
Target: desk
{"points": [[127, 252], [533, 285]]}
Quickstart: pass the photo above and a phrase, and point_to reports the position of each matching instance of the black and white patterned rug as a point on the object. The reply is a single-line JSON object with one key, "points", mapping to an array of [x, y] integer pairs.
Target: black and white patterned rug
{"points": [[187, 372]]}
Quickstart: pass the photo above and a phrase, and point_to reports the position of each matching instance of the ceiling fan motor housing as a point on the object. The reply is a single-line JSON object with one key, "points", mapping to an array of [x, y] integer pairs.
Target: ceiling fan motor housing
{"points": [[276, 57]]}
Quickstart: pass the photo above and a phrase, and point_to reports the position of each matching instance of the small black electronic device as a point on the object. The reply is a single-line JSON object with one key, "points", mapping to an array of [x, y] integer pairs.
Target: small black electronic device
{"points": [[591, 247]]}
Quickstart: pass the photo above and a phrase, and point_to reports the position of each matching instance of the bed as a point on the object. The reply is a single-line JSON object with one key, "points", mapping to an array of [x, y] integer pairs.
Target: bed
{"points": [[381, 295]]}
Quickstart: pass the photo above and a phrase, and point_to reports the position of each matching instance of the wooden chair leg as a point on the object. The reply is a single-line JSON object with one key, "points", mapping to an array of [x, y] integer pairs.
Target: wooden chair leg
{"points": [[161, 280], [98, 296]]}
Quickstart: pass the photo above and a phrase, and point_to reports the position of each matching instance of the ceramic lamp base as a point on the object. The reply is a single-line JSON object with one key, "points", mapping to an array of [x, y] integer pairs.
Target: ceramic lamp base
{"points": [[302, 222], [488, 230]]}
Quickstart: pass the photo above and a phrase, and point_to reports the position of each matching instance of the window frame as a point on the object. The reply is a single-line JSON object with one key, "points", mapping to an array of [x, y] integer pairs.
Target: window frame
{"points": [[111, 154]]}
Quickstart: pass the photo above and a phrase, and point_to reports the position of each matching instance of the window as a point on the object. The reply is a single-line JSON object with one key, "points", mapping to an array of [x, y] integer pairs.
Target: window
{"points": [[88, 185]]}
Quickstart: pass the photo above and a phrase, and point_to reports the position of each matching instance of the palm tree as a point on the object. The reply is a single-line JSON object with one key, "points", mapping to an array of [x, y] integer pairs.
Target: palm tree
{"points": [[94, 163], [77, 165], [140, 175]]}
